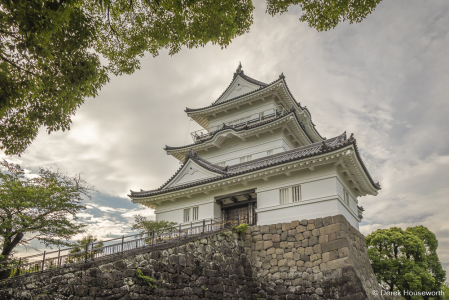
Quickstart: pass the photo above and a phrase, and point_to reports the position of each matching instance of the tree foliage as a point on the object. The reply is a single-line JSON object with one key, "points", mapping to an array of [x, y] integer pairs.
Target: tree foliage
{"points": [[42, 207], [326, 15], [144, 225], [89, 243], [405, 260], [55, 54]]}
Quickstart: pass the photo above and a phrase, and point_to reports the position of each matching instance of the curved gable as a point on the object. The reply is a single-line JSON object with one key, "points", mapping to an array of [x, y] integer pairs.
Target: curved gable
{"points": [[191, 172], [237, 88]]}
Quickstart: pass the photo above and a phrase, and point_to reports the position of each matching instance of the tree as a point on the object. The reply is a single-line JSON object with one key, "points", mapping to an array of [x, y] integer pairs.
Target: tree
{"points": [[434, 266], [399, 260], [50, 50], [42, 208], [79, 252], [146, 226]]}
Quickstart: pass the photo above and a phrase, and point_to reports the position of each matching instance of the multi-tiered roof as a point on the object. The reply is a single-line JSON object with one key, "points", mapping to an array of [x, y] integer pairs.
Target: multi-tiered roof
{"points": [[313, 150]]}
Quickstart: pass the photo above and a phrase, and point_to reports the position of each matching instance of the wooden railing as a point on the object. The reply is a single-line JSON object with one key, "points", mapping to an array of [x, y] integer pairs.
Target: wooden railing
{"points": [[66, 257]]}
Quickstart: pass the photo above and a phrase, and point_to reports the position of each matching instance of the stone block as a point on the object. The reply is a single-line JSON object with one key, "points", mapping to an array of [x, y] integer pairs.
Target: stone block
{"points": [[266, 265], [275, 238], [317, 248], [325, 257], [267, 237], [318, 223], [300, 250], [305, 243], [288, 255], [308, 251], [299, 263], [293, 224], [308, 264], [282, 262], [257, 238], [333, 254], [315, 232], [343, 252], [299, 237], [337, 263], [272, 226], [270, 251], [327, 221], [286, 226], [284, 235], [330, 229], [291, 262], [265, 229], [334, 245], [310, 227], [255, 230], [283, 245], [323, 239], [323, 267], [279, 256], [304, 222], [313, 240], [307, 234], [291, 232], [274, 262], [267, 244], [317, 262], [259, 245], [262, 253], [301, 228], [314, 257], [290, 245], [279, 226], [280, 251], [305, 258]]}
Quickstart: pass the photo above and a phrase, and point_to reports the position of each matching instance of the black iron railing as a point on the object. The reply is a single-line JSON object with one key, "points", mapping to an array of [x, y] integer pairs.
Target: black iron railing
{"points": [[67, 256]]}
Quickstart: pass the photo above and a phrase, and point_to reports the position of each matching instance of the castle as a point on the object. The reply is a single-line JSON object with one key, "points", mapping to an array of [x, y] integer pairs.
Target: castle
{"points": [[260, 160]]}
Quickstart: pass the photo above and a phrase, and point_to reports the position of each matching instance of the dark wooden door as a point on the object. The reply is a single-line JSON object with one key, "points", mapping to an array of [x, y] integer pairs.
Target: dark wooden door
{"points": [[235, 213]]}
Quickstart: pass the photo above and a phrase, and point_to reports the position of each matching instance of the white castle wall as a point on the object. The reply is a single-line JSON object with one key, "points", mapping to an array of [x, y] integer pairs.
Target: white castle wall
{"points": [[322, 195]]}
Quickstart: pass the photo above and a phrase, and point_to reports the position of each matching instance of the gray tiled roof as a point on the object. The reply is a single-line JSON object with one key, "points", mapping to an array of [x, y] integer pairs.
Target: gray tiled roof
{"points": [[257, 164]]}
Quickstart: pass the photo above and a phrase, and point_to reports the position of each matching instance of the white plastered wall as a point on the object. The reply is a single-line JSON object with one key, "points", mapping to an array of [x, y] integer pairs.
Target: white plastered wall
{"points": [[233, 149], [321, 196]]}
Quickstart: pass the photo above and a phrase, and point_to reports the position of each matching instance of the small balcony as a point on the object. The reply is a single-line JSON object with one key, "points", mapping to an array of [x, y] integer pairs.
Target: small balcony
{"points": [[202, 134]]}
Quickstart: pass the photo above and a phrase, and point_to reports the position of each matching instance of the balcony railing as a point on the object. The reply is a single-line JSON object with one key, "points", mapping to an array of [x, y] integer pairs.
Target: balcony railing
{"points": [[201, 135], [66, 257]]}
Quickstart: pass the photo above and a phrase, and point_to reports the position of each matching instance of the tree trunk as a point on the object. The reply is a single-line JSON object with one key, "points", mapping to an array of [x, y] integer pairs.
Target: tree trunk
{"points": [[8, 246]]}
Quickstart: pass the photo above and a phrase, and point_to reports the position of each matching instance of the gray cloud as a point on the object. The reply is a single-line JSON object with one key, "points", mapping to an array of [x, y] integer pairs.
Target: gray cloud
{"points": [[384, 79]]}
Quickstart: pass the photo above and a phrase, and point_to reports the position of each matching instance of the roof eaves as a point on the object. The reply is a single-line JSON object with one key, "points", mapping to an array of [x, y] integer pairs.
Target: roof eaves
{"points": [[324, 148]]}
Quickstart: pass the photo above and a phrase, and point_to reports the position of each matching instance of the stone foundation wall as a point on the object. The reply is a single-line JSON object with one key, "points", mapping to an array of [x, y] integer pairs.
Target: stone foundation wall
{"points": [[309, 259], [324, 258], [210, 267]]}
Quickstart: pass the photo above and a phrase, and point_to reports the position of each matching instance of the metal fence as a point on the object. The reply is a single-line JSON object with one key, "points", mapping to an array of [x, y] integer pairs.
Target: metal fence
{"points": [[75, 255]]}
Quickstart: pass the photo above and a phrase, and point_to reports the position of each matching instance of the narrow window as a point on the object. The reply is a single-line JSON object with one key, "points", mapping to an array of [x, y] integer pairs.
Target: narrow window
{"points": [[296, 190], [269, 152], [346, 197], [283, 196], [195, 213], [187, 215]]}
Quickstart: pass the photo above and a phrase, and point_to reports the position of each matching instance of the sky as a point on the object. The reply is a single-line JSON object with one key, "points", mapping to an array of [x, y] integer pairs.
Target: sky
{"points": [[385, 80]]}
